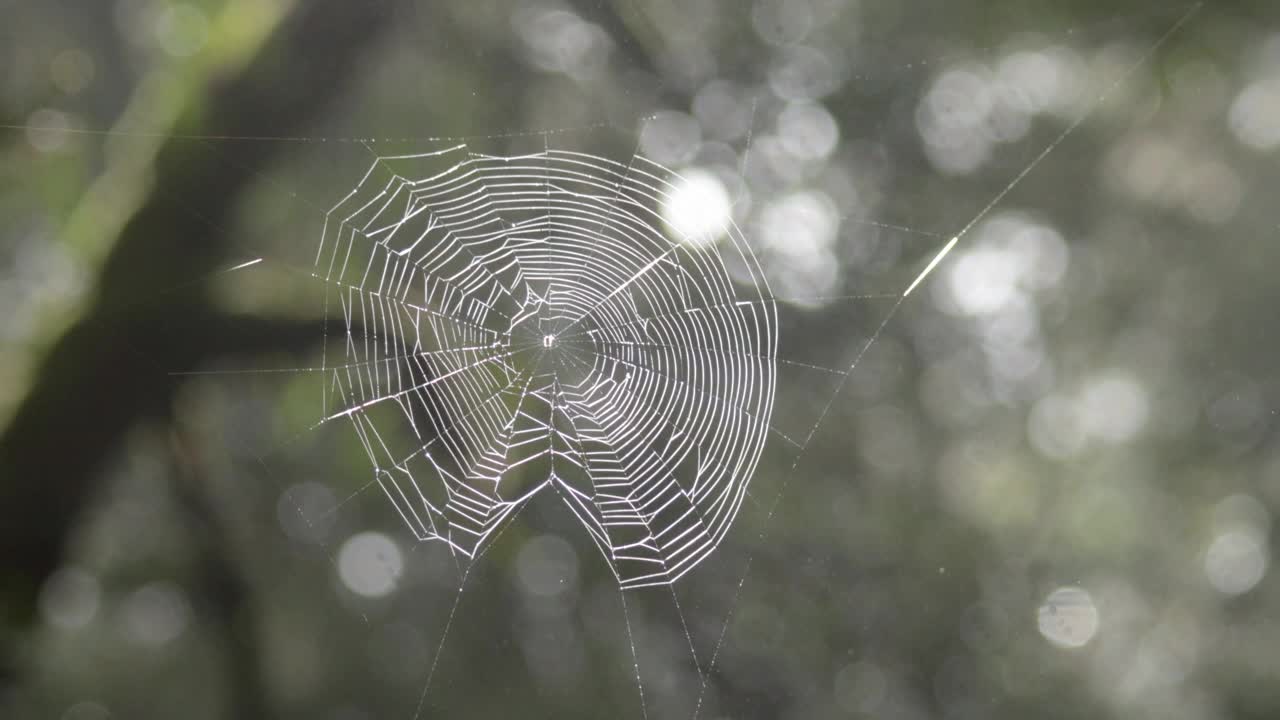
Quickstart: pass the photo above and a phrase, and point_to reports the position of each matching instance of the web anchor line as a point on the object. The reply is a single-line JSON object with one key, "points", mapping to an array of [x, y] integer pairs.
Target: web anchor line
{"points": [[929, 268]]}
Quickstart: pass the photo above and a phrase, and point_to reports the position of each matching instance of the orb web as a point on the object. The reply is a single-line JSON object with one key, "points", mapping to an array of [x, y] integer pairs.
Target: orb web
{"points": [[530, 324]]}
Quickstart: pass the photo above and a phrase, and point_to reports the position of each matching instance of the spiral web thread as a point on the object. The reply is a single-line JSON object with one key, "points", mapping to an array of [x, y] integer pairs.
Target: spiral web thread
{"points": [[528, 324]]}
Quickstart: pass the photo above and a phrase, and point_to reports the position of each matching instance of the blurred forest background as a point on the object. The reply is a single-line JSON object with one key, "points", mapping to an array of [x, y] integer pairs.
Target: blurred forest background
{"points": [[1047, 488]]}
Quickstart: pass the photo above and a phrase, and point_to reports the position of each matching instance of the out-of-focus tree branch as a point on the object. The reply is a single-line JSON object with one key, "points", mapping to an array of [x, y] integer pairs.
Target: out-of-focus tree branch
{"points": [[95, 382], [225, 591]]}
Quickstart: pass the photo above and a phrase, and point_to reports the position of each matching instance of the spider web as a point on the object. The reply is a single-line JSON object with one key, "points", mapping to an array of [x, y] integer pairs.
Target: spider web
{"points": [[517, 317], [522, 326]]}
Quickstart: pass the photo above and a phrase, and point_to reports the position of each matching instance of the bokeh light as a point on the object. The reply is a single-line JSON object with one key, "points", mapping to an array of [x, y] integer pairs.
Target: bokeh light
{"points": [[547, 566], [697, 208], [1068, 617], [155, 614], [70, 598], [370, 564]]}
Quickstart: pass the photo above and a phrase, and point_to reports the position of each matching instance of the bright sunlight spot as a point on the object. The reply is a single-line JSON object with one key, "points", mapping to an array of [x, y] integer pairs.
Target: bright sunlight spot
{"points": [[697, 208]]}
